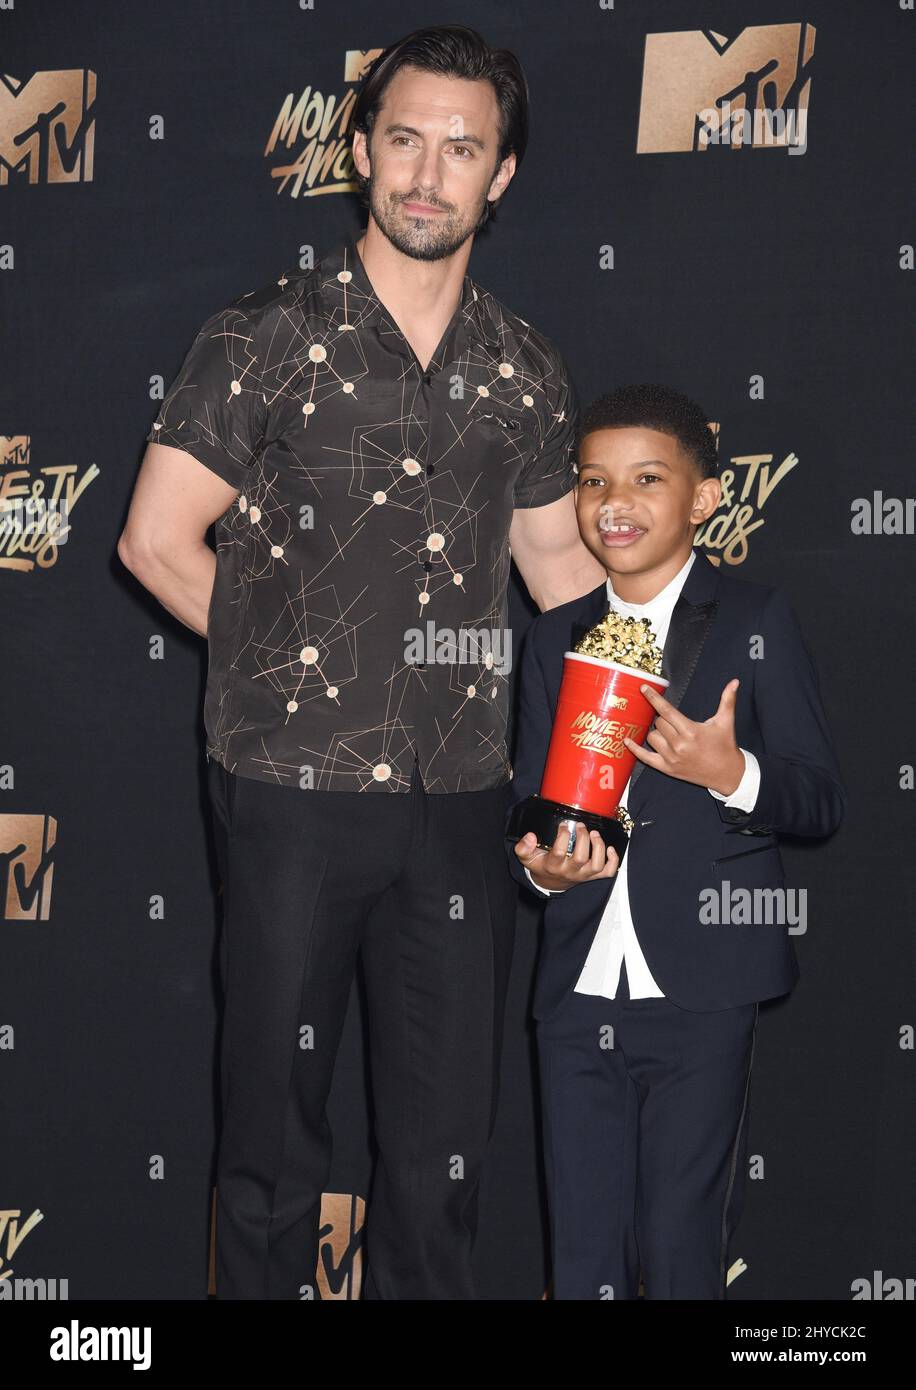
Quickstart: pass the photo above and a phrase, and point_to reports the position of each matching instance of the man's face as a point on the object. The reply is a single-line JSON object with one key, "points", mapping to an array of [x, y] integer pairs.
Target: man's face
{"points": [[433, 161], [639, 496]]}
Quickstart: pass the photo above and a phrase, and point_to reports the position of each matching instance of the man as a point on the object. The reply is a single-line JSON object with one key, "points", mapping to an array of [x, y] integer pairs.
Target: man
{"points": [[371, 437]]}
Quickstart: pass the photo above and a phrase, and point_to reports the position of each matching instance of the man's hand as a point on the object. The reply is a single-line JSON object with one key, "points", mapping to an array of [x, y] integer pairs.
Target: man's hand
{"points": [[706, 753], [555, 869]]}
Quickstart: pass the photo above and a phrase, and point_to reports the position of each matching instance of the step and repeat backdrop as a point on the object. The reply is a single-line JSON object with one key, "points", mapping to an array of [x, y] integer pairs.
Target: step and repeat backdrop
{"points": [[718, 196]]}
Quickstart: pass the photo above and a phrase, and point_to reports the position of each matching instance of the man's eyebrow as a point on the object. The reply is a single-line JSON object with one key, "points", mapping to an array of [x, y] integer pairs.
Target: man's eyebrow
{"points": [[397, 128]]}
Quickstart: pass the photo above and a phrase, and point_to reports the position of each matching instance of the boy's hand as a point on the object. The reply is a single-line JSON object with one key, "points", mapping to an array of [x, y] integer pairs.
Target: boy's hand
{"points": [[705, 753], [555, 869]]}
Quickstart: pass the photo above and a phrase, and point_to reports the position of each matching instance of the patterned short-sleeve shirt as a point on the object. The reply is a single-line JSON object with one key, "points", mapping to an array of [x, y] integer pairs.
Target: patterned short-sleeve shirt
{"points": [[358, 618]]}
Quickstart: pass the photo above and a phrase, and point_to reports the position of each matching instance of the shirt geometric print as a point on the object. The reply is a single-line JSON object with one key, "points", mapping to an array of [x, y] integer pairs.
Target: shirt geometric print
{"points": [[374, 499]]}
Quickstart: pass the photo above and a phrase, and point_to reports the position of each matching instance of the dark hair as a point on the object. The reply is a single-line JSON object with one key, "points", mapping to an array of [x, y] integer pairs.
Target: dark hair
{"points": [[452, 51], [655, 407]]}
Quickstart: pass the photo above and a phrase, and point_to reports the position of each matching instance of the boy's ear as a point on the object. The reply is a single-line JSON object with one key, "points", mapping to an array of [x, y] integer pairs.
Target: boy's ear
{"points": [[705, 500]]}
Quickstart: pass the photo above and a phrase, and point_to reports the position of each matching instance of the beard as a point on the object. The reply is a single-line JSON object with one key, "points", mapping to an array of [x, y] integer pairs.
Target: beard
{"points": [[423, 238]]}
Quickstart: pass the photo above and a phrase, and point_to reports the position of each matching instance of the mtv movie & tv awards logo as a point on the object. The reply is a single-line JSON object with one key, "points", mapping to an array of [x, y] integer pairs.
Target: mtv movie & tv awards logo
{"points": [[310, 143], [748, 483]]}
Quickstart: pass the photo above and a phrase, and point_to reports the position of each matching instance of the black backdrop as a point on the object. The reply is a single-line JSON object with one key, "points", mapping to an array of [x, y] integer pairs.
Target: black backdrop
{"points": [[726, 265]]}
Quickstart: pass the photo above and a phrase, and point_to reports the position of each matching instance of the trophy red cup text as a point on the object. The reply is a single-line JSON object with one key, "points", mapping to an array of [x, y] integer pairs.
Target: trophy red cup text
{"points": [[588, 764]]}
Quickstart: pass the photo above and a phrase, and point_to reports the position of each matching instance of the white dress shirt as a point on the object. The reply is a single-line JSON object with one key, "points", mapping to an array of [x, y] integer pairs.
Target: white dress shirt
{"points": [[615, 940]]}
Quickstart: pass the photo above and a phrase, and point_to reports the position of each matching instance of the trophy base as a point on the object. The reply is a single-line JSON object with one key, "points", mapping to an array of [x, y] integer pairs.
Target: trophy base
{"points": [[546, 817]]}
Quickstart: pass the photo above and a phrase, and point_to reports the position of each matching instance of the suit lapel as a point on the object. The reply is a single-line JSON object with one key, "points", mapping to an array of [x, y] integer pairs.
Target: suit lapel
{"points": [[690, 623], [594, 608]]}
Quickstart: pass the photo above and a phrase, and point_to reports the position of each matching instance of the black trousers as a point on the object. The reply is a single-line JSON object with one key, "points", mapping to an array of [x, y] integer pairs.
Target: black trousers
{"points": [[645, 1109], [418, 886]]}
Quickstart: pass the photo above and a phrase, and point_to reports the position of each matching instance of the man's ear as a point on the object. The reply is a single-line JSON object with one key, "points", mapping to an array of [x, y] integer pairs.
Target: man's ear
{"points": [[361, 153], [502, 177]]}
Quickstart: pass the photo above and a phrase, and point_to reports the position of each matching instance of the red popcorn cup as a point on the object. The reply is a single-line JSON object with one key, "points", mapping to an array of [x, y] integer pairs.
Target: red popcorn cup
{"points": [[600, 703], [588, 764]]}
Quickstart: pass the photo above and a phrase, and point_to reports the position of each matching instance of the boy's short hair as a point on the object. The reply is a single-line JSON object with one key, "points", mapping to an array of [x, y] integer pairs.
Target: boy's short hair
{"points": [[655, 407]]}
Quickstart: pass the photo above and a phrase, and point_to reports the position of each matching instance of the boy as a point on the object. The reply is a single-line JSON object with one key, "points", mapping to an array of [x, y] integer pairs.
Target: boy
{"points": [[646, 1000]]}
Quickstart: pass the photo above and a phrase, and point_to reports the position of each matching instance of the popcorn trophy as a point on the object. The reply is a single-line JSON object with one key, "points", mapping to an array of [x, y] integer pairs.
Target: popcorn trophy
{"points": [[588, 764]]}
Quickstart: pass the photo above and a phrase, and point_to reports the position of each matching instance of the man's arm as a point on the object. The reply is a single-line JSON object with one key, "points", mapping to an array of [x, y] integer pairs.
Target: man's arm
{"points": [[200, 451], [544, 536], [550, 554], [175, 500]]}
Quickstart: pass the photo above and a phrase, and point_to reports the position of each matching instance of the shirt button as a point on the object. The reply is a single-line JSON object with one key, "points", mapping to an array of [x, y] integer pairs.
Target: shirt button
{"points": [[427, 379], [431, 468]]}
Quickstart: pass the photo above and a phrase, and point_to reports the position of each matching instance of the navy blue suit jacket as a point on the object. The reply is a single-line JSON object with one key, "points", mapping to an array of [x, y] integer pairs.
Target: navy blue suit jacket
{"points": [[684, 840]]}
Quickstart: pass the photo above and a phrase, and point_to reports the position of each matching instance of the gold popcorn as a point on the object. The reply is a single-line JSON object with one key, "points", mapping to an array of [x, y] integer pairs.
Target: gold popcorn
{"points": [[629, 641]]}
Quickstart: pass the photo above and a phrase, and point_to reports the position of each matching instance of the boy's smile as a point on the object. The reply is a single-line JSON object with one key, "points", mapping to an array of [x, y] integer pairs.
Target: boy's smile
{"points": [[639, 500], [624, 533]]}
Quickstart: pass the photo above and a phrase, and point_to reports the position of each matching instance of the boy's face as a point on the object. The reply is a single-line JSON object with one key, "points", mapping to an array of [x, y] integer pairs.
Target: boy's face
{"points": [[640, 480]]}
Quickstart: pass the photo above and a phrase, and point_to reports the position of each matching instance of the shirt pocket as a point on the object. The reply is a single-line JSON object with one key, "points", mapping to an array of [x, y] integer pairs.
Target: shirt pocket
{"points": [[498, 438], [499, 425]]}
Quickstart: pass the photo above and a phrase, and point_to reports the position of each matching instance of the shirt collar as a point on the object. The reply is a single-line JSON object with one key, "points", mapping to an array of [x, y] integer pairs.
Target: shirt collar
{"points": [[668, 595], [350, 297]]}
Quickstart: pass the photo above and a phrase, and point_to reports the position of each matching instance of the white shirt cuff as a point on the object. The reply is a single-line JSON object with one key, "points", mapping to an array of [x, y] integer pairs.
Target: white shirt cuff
{"points": [[548, 892], [744, 797]]}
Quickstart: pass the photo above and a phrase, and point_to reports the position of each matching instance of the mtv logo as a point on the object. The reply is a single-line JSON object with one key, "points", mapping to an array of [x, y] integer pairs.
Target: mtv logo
{"points": [[356, 63], [340, 1255], [26, 866], [47, 127], [15, 451], [12, 1235], [698, 86]]}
